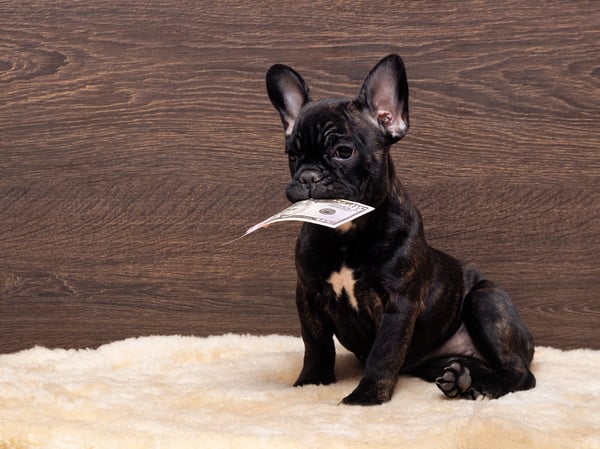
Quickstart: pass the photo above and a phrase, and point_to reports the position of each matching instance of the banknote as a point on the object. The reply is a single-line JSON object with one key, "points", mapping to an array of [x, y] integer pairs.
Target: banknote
{"points": [[330, 213]]}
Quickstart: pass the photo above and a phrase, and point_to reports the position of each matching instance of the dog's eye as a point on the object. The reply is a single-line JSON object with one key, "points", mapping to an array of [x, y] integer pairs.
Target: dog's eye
{"points": [[343, 152]]}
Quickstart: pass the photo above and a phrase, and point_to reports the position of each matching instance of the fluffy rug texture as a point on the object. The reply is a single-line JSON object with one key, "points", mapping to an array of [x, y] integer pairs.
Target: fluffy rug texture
{"points": [[234, 391]]}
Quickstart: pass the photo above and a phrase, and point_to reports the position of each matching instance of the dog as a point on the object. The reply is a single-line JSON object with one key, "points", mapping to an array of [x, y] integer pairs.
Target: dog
{"points": [[399, 305]]}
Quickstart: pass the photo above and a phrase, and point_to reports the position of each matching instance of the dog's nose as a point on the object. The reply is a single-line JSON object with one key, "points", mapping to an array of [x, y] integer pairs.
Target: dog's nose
{"points": [[310, 177]]}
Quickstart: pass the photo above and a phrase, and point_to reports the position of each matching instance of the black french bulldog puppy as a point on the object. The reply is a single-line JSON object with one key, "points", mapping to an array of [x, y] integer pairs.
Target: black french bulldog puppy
{"points": [[398, 304]]}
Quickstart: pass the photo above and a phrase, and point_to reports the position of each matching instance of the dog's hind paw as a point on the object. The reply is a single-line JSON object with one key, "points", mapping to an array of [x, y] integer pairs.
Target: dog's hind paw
{"points": [[456, 382]]}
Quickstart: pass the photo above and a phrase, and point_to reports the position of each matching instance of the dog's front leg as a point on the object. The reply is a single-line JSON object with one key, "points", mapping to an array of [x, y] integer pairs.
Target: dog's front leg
{"points": [[387, 354], [317, 334]]}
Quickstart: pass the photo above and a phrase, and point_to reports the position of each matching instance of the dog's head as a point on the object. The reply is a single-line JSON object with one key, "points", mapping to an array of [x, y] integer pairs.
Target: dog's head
{"points": [[339, 149]]}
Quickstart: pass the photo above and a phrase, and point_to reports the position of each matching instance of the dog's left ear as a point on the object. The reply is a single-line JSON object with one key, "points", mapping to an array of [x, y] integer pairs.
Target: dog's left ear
{"points": [[288, 92], [385, 95]]}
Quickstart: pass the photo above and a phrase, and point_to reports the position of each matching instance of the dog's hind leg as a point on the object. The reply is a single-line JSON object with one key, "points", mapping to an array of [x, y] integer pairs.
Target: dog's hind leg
{"points": [[502, 338], [504, 349]]}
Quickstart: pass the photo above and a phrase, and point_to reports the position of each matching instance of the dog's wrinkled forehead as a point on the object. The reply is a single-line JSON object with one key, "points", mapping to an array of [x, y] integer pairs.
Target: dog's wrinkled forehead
{"points": [[322, 123]]}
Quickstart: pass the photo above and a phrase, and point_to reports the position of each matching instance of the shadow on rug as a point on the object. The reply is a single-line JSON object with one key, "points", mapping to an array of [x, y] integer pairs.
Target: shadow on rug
{"points": [[234, 391]]}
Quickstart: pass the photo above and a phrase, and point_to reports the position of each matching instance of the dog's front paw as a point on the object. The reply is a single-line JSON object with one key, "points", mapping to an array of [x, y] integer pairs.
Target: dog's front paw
{"points": [[456, 381], [307, 377], [370, 393]]}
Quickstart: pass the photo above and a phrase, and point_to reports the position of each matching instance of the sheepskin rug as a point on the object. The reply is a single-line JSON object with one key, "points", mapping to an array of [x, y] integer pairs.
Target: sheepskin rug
{"points": [[235, 391]]}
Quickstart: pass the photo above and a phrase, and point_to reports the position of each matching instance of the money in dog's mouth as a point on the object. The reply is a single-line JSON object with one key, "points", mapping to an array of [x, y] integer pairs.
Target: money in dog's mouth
{"points": [[337, 213]]}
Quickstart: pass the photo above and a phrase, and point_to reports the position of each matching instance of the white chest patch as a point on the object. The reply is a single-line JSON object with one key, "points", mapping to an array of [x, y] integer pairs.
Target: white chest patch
{"points": [[341, 281]]}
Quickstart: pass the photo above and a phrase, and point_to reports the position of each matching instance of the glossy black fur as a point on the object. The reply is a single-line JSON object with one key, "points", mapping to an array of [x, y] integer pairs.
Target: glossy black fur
{"points": [[416, 309]]}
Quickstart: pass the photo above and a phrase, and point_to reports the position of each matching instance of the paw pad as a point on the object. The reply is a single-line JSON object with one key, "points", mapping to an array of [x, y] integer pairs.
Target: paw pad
{"points": [[456, 381]]}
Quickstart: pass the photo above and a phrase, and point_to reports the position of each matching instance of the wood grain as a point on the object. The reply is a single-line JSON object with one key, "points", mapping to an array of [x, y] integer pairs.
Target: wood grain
{"points": [[136, 138]]}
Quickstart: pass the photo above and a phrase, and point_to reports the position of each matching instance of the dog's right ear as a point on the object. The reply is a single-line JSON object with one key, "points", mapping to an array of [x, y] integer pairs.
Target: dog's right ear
{"points": [[288, 92], [385, 96]]}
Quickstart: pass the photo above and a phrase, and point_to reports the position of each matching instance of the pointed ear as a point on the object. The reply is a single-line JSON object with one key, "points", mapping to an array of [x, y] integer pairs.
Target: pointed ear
{"points": [[385, 96], [288, 92]]}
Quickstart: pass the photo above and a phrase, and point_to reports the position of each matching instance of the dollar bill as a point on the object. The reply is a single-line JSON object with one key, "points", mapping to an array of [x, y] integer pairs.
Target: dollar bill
{"points": [[330, 213]]}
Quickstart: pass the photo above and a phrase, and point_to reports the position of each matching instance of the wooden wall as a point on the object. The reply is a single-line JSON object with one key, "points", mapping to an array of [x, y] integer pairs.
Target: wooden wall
{"points": [[137, 137]]}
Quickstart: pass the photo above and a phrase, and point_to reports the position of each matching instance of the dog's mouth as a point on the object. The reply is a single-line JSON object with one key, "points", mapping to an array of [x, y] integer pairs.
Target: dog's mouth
{"points": [[297, 193]]}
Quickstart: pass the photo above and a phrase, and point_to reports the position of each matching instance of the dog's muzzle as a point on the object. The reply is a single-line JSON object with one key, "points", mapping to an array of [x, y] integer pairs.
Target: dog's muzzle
{"points": [[307, 184]]}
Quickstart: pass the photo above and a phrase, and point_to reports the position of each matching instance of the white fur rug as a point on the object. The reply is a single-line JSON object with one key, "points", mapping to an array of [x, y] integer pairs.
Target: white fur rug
{"points": [[234, 392]]}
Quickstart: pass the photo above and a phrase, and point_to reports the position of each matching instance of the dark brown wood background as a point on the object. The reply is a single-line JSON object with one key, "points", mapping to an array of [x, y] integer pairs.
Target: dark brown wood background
{"points": [[137, 137]]}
